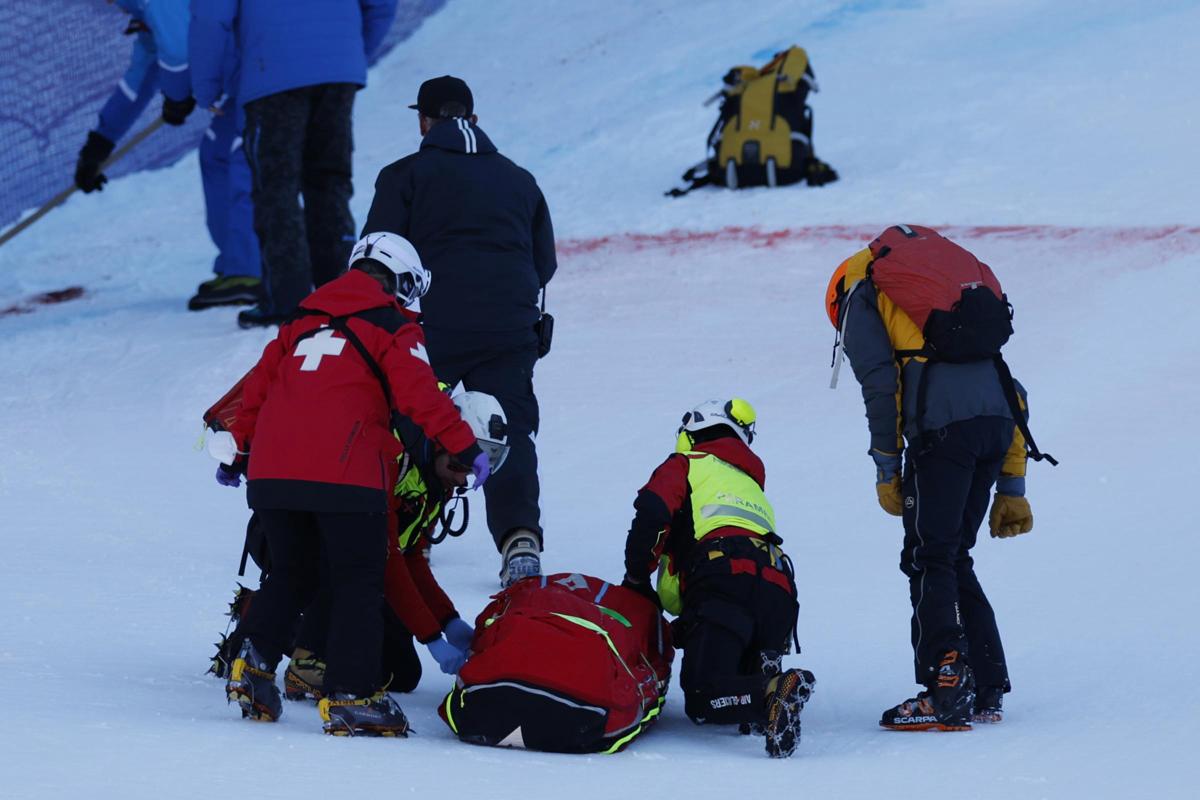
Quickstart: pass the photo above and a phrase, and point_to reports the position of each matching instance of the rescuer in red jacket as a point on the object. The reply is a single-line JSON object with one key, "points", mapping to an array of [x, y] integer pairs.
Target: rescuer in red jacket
{"points": [[314, 435]]}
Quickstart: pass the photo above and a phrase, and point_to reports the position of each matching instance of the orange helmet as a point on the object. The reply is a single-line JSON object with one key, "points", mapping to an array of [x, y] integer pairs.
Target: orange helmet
{"points": [[835, 293]]}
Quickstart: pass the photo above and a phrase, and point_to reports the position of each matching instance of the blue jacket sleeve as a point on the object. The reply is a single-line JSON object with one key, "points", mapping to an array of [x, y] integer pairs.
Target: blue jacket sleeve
{"points": [[378, 16], [134, 91], [210, 41], [869, 349], [168, 22]]}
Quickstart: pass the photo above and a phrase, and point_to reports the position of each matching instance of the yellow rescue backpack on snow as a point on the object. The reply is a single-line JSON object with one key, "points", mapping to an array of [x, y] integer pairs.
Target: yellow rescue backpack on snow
{"points": [[763, 136]]}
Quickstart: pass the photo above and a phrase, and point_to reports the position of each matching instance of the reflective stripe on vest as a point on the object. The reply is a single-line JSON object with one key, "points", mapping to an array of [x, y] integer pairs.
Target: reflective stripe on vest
{"points": [[725, 496]]}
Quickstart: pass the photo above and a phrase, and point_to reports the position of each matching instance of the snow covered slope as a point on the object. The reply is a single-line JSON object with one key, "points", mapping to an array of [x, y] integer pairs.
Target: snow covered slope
{"points": [[1055, 139]]}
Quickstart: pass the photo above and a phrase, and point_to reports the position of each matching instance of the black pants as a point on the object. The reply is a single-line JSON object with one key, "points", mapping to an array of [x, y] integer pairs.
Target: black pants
{"points": [[501, 365], [400, 665], [727, 622], [299, 142], [354, 549], [947, 489]]}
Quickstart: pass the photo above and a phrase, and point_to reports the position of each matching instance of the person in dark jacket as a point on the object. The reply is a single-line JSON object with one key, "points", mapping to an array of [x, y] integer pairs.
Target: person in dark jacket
{"points": [[483, 228], [301, 64], [962, 439], [316, 424], [704, 523]]}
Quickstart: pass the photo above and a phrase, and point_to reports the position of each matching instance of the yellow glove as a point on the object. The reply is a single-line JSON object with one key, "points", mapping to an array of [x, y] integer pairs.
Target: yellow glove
{"points": [[1010, 516], [890, 498]]}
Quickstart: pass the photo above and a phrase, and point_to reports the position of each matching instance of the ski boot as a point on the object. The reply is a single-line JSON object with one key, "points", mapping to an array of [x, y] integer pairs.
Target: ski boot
{"points": [[989, 705], [771, 664], [947, 706], [304, 678], [252, 686], [520, 557], [786, 696], [350, 715], [232, 290]]}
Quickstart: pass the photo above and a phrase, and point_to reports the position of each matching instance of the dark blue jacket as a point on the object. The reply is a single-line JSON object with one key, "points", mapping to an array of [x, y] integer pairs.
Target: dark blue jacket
{"points": [[284, 44], [479, 223]]}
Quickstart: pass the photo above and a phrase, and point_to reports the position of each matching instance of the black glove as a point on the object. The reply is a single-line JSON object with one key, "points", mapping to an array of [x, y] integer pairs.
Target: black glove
{"points": [[644, 589], [88, 176], [174, 112]]}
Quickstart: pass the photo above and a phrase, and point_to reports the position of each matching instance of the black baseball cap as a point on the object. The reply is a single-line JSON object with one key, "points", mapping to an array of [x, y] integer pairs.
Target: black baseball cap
{"points": [[436, 92]]}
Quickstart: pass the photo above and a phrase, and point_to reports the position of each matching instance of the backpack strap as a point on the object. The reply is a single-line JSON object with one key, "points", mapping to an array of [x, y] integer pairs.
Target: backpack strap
{"points": [[1014, 405], [398, 422], [694, 177]]}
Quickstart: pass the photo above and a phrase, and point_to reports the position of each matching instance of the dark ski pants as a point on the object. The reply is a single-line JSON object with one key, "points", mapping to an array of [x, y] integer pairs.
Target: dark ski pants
{"points": [[299, 142], [401, 666], [500, 364], [353, 548], [727, 622], [947, 489]]}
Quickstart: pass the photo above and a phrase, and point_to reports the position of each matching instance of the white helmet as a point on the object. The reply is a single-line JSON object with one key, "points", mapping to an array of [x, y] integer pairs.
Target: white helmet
{"points": [[397, 254], [485, 416], [736, 414]]}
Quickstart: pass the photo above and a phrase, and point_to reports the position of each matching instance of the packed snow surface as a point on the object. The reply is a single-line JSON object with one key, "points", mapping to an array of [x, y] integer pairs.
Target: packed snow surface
{"points": [[1054, 139]]}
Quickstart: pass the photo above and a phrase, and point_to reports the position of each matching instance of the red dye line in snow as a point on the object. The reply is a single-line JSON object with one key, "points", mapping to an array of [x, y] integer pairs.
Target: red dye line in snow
{"points": [[1181, 237], [44, 299]]}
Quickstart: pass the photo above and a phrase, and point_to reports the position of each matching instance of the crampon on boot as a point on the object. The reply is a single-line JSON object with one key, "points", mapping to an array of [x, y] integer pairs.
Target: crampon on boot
{"points": [[349, 715], [252, 686], [520, 557], [989, 704], [304, 678], [947, 706], [771, 664], [231, 643], [785, 700]]}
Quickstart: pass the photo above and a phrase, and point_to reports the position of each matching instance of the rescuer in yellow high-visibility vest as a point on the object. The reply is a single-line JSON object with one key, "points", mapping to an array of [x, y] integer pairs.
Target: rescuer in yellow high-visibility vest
{"points": [[704, 523]]}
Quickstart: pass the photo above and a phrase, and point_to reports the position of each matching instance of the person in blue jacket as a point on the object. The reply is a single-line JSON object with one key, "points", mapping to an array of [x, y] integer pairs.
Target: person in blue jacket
{"points": [[160, 62], [301, 64]]}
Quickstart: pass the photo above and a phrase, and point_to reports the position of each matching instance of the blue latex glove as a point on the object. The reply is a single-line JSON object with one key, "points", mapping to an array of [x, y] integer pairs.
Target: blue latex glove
{"points": [[448, 657], [481, 468], [227, 476], [460, 634]]}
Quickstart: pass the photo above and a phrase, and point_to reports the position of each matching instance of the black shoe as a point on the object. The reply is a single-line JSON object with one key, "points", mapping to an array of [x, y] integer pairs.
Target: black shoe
{"points": [[259, 317], [989, 704], [252, 686], [236, 290], [209, 283], [377, 715], [945, 707], [819, 173], [784, 704], [304, 678]]}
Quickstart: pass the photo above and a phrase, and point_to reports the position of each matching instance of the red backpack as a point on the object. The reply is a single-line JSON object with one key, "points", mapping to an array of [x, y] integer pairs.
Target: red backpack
{"points": [[956, 301], [565, 663]]}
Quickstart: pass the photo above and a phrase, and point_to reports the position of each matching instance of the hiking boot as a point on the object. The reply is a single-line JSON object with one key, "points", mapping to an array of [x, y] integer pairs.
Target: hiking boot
{"points": [[989, 703], [259, 317], [770, 664], [252, 686], [947, 706], [520, 557], [349, 715], [232, 290], [304, 678], [786, 696]]}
